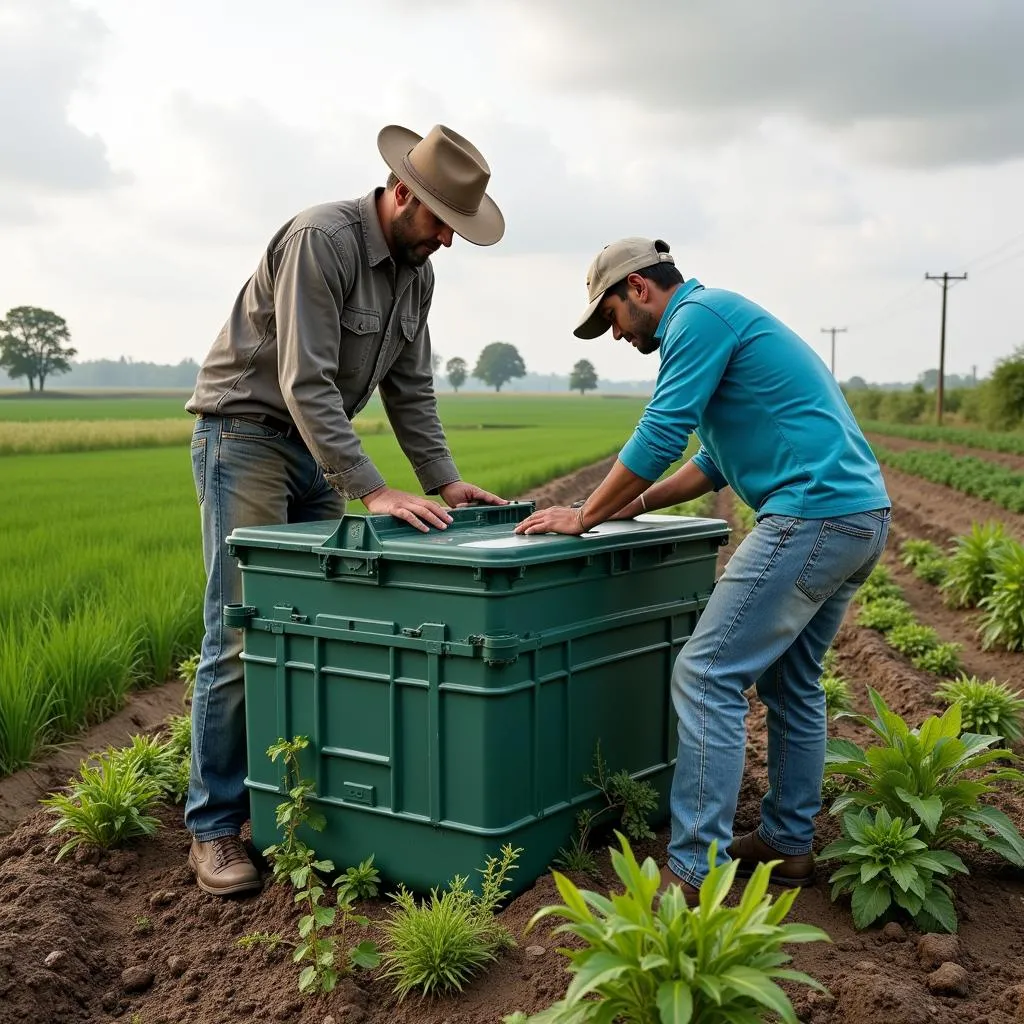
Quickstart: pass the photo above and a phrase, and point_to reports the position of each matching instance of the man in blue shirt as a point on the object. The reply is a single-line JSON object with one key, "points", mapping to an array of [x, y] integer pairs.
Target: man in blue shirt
{"points": [[775, 427]]}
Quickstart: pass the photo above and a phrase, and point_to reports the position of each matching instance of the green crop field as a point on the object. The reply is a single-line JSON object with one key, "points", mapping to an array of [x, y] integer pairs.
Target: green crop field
{"points": [[102, 578]]}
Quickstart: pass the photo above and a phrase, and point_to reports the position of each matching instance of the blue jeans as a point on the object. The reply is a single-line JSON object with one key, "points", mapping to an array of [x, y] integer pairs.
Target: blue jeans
{"points": [[246, 474], [772, 615]]}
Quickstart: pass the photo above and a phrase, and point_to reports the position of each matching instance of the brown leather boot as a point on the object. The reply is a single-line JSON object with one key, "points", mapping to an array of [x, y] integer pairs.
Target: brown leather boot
{"points": [[222, 867], [751, 850], [668, 877]]}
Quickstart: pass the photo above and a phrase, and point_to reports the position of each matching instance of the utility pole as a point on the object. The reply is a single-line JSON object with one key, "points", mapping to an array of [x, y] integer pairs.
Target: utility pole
{"points": [[833, 331], [945, 278]]}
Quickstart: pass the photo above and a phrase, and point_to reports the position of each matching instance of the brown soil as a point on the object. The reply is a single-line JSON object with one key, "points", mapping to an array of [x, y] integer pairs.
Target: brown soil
{"points": [[20, 792], [902, 444], [94, 937]]}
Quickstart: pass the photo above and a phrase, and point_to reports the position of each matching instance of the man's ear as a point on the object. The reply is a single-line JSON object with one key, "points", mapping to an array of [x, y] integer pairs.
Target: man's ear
{"points": [[403, 196], [639, 285]]}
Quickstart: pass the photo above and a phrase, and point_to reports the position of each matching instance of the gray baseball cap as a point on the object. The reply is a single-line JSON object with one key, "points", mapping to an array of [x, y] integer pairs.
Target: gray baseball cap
{"points": [[614, 263]]}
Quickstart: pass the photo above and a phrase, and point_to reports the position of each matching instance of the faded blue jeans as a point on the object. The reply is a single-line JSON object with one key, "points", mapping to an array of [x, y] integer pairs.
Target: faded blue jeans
{"points": [[246, 474], [772, 615]]}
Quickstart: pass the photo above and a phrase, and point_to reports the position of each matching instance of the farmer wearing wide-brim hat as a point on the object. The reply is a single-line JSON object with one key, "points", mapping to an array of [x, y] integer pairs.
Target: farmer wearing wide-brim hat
{"points": [[336, 308], [773, 425]]}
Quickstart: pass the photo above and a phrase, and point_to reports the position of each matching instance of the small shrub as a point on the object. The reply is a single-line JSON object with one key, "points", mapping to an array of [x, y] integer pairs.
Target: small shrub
{"points": [[631, 799], [359, 883], [942, 660], [439, 945], [932, 570], [878, 585], [1002, 624], [837, 695], [988, 708], [153, 759], [914, 552], [885, 614], [649, 960], [187, 669], [883, 864], [969, 575], [912, 639], [929, 776], [107, 805]]}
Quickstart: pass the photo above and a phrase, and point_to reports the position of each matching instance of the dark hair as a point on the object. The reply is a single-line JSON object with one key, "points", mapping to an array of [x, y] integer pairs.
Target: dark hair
{"points": [[664, 275], [392, 180]]}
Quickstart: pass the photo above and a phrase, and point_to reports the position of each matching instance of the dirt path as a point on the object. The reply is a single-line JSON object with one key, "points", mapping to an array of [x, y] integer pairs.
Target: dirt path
{"points": [[902, 444], [95, 938]]}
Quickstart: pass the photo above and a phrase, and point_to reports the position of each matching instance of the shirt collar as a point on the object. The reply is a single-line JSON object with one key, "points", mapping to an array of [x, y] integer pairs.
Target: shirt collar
{"points": [[376, 247], [684, 291]]}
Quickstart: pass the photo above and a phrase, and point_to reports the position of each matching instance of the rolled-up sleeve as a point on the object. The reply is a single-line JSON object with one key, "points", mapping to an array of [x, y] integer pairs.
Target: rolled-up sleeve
{"points": [[696, 349], [407, 391], [313, 276], [703, 461]]}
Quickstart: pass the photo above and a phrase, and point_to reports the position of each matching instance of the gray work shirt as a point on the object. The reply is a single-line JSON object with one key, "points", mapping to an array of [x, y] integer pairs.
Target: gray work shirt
{"points": [[326, 318]]}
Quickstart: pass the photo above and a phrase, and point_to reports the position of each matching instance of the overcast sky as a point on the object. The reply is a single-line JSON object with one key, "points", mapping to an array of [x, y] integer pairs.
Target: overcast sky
{"points": [[818, 157]]}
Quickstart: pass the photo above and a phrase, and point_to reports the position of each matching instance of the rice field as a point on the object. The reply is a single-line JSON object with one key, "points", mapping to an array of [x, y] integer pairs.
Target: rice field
{"points": [[102, 577]]}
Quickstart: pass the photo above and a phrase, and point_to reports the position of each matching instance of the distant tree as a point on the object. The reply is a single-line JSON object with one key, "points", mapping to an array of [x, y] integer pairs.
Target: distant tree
{"points": [[456, 371], [1006, 390], [856, 384], [583, 377], [33, 345], [435, 362], [498, 363]]}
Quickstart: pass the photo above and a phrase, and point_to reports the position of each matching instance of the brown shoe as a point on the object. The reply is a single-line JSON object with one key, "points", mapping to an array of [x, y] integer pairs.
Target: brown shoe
{"points": [[222, 867], [751, 850], [668, 877]]}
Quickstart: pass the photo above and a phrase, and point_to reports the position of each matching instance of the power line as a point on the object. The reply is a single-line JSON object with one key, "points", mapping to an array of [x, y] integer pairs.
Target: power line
{"points": [[945, 278], [833, 331], [992, 252]]}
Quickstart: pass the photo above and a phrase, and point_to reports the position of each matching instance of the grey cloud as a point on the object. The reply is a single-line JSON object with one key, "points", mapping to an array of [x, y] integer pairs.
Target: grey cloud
{"points": [[908, 82], [266, 170], [46, 50]]}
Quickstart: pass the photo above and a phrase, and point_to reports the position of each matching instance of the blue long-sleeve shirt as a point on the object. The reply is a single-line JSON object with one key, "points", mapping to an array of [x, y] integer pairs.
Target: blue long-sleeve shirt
{"points": [[772, 422]]}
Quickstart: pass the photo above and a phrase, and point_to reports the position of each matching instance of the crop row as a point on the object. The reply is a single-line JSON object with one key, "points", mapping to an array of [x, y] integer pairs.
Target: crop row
{"points": [[988, 440], [967, 474]]}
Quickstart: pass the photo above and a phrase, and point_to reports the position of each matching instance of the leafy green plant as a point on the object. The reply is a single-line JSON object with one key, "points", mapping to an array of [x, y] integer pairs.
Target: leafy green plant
{"points": [[631, 799], [179, 729], [107, 805], [929, 776], [294, 860], [154, 760], [878, 585], [438, 945], [649, 961], [942, 660], [359, 883], [837, 694], [187, 669], [932, 570], [884, 864], [914, 552], [885, 614], [912, 639], [989, 708], [1002, 624], [969, 576]]}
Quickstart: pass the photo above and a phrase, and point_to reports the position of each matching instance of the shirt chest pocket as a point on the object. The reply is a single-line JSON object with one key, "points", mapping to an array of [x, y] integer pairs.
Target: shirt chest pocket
{"points": [[360, 334]]}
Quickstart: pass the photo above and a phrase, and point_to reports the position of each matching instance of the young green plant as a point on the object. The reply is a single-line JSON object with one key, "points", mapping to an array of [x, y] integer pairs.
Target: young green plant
{"points": [[631, 799], [293, 860], [438, 945], [930, 776], [990, 708], [883, 865], [645, 959]]}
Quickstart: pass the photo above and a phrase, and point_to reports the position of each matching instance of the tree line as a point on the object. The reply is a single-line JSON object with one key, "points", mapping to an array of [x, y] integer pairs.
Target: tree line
{"points": [[35, 345]]}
